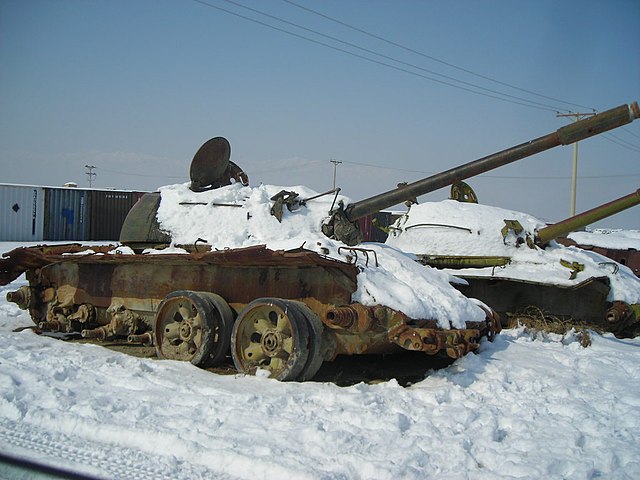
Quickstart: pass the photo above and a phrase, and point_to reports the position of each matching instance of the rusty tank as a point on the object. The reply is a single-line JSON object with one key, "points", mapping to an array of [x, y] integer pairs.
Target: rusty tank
{"points": [[284, 312], [494, 280], [279, 311]]}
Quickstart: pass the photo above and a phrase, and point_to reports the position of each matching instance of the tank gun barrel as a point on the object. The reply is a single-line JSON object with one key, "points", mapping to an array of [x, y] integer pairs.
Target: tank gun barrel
{"points": [[546, 234], [600, 123]]}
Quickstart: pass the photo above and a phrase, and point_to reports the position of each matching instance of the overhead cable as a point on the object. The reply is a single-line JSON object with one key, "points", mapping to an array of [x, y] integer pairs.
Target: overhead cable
{"points": [[182, 177], [393, 59], [372, 60], [448, 64], [619, 141]]}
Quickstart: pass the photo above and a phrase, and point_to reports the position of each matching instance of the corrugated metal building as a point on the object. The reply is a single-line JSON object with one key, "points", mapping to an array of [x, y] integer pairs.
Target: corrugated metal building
{"points": [[21, 212]]}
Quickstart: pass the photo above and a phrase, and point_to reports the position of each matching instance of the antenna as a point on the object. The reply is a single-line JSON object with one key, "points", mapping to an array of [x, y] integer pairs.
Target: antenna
{"points": [[335, 165]]}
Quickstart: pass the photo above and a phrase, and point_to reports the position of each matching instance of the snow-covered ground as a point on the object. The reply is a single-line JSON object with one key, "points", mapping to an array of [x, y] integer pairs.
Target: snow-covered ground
{"points": [[523, 407]]}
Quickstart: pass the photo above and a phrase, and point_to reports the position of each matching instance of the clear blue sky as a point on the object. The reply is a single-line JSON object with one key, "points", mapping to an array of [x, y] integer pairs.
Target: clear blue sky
{"points": [[135, 87]]}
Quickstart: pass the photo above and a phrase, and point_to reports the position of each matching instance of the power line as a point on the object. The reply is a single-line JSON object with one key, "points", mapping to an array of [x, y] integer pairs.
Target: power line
{"points": [[621, 142], [630, 132], [140, 174], [581, 177], [448, 64], [315, 163], [387, 57], [531, 104], [288, 168]]}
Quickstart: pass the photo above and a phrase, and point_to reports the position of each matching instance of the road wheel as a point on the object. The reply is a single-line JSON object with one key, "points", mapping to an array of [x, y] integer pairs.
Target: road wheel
{"points": [[193, 327], [271, 334]]}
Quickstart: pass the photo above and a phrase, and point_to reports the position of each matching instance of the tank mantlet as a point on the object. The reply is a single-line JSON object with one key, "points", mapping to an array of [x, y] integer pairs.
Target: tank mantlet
{"points": [[141, 229]]}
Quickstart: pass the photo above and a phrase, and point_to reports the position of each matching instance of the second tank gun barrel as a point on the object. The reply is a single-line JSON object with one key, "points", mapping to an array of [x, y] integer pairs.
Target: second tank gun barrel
{"points": [[600, 123], [571, 224]]}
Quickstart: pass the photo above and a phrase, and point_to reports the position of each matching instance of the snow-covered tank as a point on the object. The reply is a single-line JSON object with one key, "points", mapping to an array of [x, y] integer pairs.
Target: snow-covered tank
{"points": [[511, 261], [241, 274], [275, 275]]}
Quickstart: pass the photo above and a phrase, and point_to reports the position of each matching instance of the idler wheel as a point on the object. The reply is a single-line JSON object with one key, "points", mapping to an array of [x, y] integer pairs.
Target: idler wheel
{"points": [[273, 335], [193, 327], [316, 328]]}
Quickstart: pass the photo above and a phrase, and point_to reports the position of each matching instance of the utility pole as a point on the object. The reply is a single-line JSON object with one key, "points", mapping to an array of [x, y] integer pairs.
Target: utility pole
{"points": [[90, 174], [335, 165], [574, 171]]}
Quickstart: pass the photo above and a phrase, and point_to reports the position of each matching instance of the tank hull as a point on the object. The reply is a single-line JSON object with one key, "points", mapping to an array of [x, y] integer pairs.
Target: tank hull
{"points": [[582, 304], [585, 301]]}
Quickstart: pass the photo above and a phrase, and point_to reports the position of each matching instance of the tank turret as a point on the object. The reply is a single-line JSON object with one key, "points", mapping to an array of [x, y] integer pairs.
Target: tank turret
{"points": [[539, 238], [210, 168], [508, 260]]}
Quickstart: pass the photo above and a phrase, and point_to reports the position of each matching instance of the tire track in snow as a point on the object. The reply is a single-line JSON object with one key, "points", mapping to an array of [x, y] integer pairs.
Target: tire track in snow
{"points": [[106, 461]]}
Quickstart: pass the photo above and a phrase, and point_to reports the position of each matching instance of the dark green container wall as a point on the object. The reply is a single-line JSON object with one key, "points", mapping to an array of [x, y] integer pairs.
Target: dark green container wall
{"points": [[108, 211], [66, 214]]}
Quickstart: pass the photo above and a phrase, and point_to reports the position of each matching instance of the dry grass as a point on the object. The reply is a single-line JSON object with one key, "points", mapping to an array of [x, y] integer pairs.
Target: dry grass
{"points": [[535, 320]]}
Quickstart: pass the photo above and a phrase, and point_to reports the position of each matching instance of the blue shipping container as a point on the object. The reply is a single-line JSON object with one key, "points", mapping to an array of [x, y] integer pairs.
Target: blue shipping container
{"points": [[66, 214]]}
